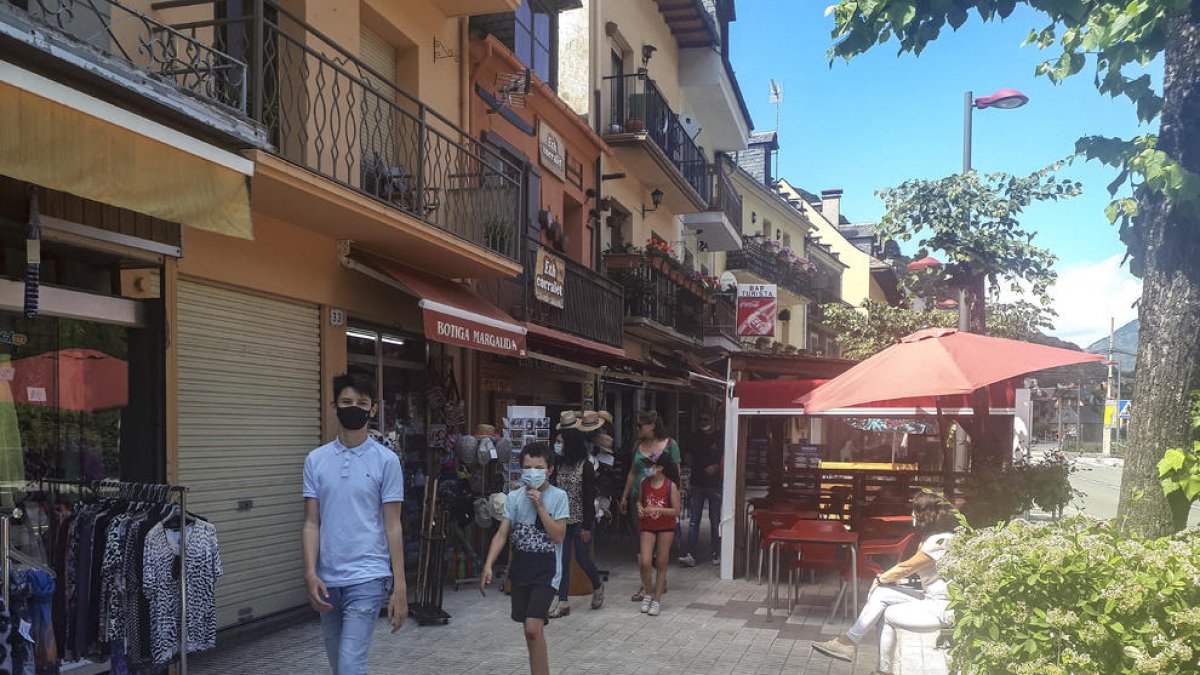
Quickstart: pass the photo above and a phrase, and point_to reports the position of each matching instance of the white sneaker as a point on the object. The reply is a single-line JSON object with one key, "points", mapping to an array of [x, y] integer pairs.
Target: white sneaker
{"points": [[655, 608], [646, 603], [688, 560], [716, 558]]}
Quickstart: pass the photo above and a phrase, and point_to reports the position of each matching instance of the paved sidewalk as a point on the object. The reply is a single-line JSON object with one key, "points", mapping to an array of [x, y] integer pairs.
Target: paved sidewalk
{"points": [[708, 627]]}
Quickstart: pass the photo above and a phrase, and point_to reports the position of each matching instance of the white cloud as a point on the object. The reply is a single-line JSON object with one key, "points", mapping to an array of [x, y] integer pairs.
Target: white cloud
{"points": [[1087, 295]]}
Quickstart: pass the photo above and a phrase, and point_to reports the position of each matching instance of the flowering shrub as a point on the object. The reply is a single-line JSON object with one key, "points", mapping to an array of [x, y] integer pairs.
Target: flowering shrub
{"points": [[1075, 597]]}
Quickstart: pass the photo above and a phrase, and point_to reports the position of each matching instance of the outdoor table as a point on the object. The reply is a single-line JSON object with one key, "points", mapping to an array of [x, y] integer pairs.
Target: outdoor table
{"points": [[789, 537]]}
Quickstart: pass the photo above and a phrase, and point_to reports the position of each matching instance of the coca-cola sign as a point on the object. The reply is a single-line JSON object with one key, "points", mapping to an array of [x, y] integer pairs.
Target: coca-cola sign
{"points": [[756, 308]]}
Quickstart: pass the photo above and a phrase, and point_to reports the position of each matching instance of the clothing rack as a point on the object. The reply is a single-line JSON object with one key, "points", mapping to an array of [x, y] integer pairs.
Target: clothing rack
{"points": [[161, 493]]}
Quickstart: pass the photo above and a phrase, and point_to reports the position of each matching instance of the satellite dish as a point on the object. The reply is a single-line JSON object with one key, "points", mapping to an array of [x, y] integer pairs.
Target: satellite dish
{"points": [[690, 126], [728, 281]]}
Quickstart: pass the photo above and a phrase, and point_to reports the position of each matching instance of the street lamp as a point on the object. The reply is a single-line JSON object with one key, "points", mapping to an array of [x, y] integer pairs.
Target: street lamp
{"points": [[1004, 99]]}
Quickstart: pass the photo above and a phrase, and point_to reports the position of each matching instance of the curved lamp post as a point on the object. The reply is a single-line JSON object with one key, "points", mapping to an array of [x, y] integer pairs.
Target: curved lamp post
{"points": [[1004, 99]]}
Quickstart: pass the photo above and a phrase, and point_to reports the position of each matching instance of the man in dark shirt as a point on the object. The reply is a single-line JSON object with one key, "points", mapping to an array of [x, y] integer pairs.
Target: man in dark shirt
{"points": [[707, 451]]}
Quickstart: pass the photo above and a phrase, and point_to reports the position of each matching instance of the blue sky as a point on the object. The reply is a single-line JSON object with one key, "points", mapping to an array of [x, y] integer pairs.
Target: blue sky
{"points": [[882, 119]]}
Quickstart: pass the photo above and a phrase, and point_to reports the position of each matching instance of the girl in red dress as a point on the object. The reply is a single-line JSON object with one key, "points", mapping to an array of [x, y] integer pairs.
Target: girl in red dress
{"points": [[658, 509]]}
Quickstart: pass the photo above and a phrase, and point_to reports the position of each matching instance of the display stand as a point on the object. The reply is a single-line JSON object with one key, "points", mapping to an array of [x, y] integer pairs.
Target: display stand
{"points": [[426, 607], [141, 492]]}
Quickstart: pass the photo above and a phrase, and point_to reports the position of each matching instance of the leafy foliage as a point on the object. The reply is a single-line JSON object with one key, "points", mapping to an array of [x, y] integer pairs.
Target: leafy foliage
{"points": [[997, 494], [1077, 597], [972, 220], [1179, 469], [1115, 36], [875, 326]]}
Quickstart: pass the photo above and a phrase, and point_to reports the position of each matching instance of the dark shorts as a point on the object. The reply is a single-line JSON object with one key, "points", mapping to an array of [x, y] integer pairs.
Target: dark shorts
{"points": [[532, 601]]}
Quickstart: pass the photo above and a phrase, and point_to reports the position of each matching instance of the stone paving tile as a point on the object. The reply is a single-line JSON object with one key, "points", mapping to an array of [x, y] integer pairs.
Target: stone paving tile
{"points": [[708, 627]]}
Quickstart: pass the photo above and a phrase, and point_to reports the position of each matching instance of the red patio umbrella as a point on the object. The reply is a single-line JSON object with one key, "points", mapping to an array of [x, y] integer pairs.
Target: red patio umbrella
{"points": [[83, 380], [924, 264], [937, 362]]}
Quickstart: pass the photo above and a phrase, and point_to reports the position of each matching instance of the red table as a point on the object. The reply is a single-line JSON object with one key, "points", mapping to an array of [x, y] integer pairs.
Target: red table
{"points": [[790, 537]]}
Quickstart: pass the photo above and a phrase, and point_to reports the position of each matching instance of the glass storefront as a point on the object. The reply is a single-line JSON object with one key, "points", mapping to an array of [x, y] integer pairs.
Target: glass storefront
{"points": [[81, 398]]}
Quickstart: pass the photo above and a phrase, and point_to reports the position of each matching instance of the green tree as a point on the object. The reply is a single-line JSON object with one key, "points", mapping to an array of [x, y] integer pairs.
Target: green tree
{"points": [[972, 221], [1119, 38], [868, 330]]}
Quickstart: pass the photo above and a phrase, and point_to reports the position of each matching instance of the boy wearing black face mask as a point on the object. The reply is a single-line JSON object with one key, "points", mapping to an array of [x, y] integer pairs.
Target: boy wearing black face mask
{"points": [[536, 515], [353, 537]]}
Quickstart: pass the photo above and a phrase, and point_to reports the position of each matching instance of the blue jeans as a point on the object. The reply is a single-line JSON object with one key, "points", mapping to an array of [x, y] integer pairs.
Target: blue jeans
{"points": [[583, 553], [349, 625], [699, 496]]}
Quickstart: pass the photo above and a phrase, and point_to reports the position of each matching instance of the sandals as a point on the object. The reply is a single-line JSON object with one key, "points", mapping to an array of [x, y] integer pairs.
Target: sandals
{"points": [[563, 609], [598, 597]]}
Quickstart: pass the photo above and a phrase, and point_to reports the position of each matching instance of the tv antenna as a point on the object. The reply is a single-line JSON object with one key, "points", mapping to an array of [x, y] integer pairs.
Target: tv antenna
{"points": [[511, 89], [776, 98]]}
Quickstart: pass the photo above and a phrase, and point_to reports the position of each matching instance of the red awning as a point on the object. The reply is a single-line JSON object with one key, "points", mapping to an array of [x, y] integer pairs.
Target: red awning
{"points": [[785, 397], [454, 314]]}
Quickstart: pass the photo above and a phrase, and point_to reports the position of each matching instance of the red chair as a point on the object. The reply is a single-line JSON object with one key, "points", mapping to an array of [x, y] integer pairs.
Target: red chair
{"points": [[767, 522], [813, 557], [874, 557]]}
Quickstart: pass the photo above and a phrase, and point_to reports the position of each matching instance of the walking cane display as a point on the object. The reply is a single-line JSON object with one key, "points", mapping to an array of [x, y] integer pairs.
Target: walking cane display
{"points": [[427, 606]]}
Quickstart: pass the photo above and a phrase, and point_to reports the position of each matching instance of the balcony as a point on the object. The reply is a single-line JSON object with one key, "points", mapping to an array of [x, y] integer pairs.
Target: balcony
{"points": [[661, 304], [593, 305], [328, 113], [720, 226], [708, 81], [123, 54], [759, 263], [647, 136], [720, 325]]}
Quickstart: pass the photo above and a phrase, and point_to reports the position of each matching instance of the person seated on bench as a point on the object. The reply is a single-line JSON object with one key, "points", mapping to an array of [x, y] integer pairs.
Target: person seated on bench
{"points": [[900, 607]]}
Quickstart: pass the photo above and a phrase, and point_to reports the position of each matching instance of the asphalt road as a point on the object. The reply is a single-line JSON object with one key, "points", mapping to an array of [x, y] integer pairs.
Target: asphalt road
{"points": [[1101, 485]]}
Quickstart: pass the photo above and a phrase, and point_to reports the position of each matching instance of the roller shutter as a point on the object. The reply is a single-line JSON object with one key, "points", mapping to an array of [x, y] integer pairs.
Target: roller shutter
{"points": [[379, 118], [249, 412]]}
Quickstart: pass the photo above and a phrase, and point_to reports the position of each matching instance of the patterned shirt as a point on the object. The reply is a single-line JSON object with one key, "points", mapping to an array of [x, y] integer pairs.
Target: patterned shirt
{"points": [[536, 557], [570, 480], [161, 572]]}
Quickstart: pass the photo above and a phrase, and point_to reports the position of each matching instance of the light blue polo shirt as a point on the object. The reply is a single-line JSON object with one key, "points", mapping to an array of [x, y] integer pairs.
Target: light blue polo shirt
{"points": [[352, 485]]}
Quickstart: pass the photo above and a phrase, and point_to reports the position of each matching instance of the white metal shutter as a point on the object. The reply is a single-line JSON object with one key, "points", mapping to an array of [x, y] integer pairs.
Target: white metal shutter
{"points": [[249, 412]]}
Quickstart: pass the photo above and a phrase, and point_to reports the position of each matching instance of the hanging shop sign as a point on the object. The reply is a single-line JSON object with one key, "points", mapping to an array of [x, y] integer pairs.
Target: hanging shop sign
{"points": [[549, 279], [756, 308], [473, 333], [552, 151]]}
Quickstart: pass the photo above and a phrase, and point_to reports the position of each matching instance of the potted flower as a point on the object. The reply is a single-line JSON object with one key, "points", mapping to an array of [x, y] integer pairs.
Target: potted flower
{"points": [[637, 113]]}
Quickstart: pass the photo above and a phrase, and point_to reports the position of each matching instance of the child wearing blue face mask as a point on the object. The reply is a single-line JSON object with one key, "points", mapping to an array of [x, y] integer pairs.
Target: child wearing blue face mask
{"points": [[536, 518]]}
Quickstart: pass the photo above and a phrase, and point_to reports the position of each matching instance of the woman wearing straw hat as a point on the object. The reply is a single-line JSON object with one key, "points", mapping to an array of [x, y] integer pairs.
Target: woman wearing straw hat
{"points": [[576, 476]]}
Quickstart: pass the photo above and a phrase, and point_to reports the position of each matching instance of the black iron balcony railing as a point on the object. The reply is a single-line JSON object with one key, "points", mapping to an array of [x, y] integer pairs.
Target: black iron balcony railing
{"points": [[177, 57], [329, 112], [724, 197], [657, 292], [593, 305], [636, 105], [758, 259]]}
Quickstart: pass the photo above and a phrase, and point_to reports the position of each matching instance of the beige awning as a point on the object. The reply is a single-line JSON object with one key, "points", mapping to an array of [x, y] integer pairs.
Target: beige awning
{"points": [[60, 138]]}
